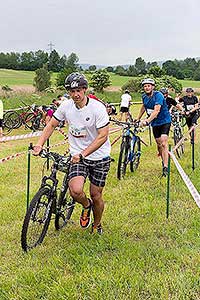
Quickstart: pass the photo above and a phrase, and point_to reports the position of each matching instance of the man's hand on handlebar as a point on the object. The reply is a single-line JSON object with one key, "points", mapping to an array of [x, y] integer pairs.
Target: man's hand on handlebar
{"points": [[36, 150]]}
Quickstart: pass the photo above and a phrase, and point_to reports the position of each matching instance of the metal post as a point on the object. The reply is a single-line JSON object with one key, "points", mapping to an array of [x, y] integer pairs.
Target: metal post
{"points": [[48, 143], [192, 142], [28, 175], [150, 140], [168, 184]]}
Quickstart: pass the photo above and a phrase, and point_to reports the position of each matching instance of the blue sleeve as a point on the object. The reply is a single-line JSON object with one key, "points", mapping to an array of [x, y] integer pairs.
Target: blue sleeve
{"points": [[159, 98]]}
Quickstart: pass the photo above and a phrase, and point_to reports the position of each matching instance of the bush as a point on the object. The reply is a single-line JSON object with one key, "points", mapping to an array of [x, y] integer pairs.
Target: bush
{"points": [[134, 85], [60, 80], [42, 79], [100, 80]]}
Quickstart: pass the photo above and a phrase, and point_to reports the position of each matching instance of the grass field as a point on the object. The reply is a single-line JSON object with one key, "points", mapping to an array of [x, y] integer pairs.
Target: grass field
{"points": [[141, 255], [12, 77]]}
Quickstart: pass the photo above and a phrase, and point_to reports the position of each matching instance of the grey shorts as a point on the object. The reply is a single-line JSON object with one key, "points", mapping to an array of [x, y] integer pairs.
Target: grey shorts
{"points": [[95, 170]]}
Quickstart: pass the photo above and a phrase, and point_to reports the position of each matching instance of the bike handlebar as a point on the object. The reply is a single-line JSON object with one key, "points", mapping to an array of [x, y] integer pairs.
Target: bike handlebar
{"points": [[135, 124]]}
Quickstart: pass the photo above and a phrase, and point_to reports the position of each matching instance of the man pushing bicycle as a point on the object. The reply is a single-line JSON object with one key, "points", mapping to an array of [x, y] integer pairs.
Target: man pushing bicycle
{"points": [[89, 147]]}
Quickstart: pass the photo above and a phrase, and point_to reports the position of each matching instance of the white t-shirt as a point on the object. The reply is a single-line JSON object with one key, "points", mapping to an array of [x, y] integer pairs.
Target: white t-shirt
{"points": [[125, 99], [83, 126]]}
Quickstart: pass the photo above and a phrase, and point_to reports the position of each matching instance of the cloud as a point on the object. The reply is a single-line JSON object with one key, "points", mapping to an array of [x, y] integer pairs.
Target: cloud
{"points": [[103, 32]]}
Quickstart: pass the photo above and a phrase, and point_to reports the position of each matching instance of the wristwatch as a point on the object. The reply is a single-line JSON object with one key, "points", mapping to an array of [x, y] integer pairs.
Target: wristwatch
{"points": [[81, 156]]}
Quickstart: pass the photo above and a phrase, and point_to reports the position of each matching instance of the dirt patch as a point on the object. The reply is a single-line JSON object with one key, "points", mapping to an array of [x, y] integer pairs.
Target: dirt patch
{"points": [[113, 89], [21, 89]]}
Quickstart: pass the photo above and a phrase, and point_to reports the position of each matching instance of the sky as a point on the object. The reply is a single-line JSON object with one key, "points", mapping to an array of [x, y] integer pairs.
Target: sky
{"points": [[103, 32]]}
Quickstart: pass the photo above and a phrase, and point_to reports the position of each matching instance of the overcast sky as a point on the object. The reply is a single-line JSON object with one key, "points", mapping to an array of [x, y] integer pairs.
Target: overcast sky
{"points": [[107, 32]]}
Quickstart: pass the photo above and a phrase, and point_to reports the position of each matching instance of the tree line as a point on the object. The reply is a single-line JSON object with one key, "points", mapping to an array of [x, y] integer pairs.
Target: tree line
{"points": [[188, 68], [31, 61]]}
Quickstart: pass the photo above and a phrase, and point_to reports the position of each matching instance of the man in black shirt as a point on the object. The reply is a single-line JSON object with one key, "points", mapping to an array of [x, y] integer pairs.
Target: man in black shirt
{"points": [[190, 104], [170, 101]]}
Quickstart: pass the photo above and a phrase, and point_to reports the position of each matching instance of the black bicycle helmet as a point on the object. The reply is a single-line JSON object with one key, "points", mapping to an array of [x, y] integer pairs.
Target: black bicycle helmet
{"points": [[189, 90], [148, 81], [164, 91], [75, 80]]}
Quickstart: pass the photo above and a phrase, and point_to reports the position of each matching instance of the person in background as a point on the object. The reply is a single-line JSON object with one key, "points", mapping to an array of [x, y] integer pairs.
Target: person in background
{"points": [[62, 98], [47, 113], [92, 95], [171, 103], [1, 118], [125, 104], [55, 104], [154, 104], [190, 105]]}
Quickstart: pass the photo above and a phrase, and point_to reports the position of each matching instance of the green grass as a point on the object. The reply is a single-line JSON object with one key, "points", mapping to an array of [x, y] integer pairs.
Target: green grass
{"points": [[141, 254], [190, 83], [13, 77]]}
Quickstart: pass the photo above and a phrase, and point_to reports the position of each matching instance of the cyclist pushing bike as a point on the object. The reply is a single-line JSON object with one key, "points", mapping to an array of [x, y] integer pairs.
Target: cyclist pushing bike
{"points": [[190, 104], [171, 103], [89, 147], [155, 106]]}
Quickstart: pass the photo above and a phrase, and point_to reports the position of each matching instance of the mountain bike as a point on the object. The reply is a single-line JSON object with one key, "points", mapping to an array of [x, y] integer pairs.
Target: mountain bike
{"points": [[177, 132], [130, 148], [30, 117], [48, 201]]}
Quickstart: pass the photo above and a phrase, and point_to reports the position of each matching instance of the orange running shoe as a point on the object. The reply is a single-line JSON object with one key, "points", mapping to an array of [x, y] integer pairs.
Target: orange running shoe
{"points": [[85, 218]]}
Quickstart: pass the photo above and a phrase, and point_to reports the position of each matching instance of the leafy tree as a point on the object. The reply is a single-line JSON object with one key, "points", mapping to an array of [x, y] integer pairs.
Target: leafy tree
{"points": [[92, 68], [134, 85], [63, 60], [99, 80], [40, 59], [54, 61], [120, 71], [131, 71], [196, 75], [71, 65], [170, 68], [110, 69], [42, 79], [27, 60], [72, 62], [156, 71], [140, 65], [150, 65], [60, 79]]}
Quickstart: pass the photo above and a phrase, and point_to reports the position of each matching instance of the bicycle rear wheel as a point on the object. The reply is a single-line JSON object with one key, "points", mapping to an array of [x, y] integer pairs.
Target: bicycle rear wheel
{"points": [[123, 159], [37, 218], [135, 159], [12, 120], [177, 137], [65, 206]]}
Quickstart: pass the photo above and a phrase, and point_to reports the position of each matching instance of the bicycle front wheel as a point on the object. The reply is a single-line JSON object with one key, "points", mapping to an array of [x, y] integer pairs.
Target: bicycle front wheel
{"points": [[65, 206], [177, 137], [135, 155], [123, 159], [29, 120], [37, 218]]}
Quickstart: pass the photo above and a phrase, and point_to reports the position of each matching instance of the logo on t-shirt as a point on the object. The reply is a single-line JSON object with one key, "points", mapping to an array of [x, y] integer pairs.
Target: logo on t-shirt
{"points": [[87, 119]]}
